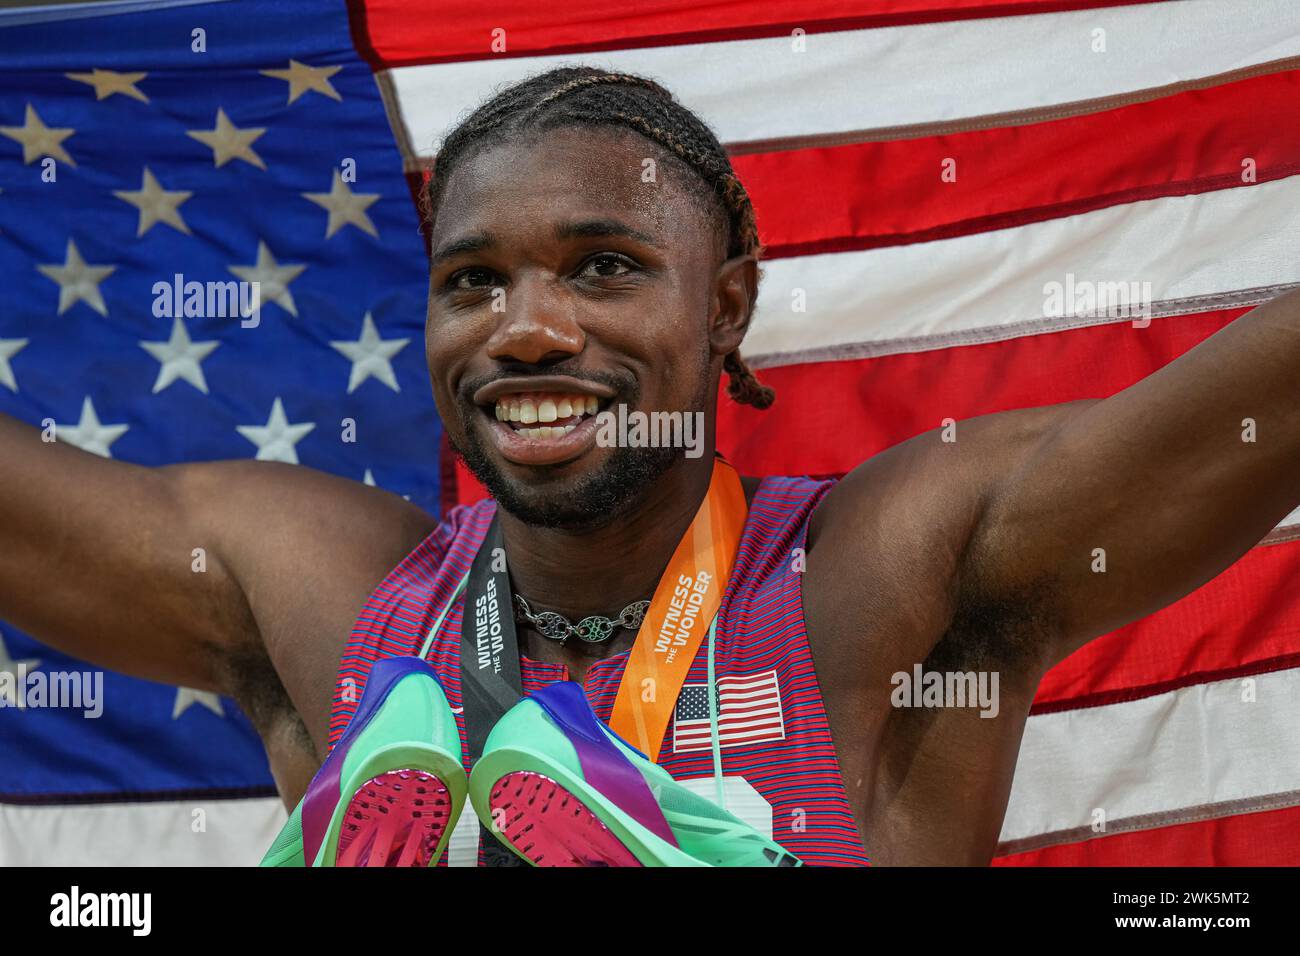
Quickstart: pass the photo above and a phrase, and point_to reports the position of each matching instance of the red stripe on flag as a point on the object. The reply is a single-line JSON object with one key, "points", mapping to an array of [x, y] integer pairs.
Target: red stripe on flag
{"points": [[738, 713], [832, 416], [699, 739], [700, 730], [402, 32], [1245, 621], [867, 195], [1268, 838]]}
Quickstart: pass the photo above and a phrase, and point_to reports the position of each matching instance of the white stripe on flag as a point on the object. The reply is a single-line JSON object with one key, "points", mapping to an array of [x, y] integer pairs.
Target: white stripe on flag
{"points": [[235, 833], [1170, 754], [985, 286], [866, 79]]}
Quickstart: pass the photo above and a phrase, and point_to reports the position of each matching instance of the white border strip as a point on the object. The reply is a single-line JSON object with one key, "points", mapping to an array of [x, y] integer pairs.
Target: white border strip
{"points": [[236, 833], [899, 76], [53, 13], [1181, 751]]}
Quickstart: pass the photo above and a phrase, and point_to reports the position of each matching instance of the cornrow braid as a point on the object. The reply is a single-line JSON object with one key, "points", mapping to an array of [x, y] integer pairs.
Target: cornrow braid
{"points": [[585, 96]]}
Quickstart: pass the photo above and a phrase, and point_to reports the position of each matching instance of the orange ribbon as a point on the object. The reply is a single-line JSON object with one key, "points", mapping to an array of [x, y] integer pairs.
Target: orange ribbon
{"points": [[684, 604]]}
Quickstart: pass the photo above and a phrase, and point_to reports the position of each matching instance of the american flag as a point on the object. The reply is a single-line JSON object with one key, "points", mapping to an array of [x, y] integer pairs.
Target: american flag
{"points": [[134, 150], [749, 713], [922, 171]]}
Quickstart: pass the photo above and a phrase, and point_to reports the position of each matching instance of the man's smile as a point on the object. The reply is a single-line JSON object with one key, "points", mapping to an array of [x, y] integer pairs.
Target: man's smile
{"points": [[537, 415], [542, 420]]}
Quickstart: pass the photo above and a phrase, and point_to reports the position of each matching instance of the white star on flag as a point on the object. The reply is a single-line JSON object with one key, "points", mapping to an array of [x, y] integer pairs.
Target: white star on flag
{"points": [[227, 141], [78, 282], [155, 204], [274, 278], [39, 140], [276, 439], [8, 349], [88, 434], [303, 78], [10, 666], [180, 358], [187, 697], [108, 82], [346, 208], [370, 355]]}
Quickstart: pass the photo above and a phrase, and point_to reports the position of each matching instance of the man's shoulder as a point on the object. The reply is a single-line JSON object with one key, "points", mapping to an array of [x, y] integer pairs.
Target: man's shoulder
{"points": [[461, 527], [779, 510], [468, 515], [948, 470], [779, 490]]}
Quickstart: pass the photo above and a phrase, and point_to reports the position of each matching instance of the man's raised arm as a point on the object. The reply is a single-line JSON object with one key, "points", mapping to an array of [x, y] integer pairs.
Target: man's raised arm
{"points": [[1129, 503], [97, 559], [159, 572]]}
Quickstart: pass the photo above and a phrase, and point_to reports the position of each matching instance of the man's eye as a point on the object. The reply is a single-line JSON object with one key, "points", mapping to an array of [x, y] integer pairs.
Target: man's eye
{"points": [[471, 279], [606, 265]]}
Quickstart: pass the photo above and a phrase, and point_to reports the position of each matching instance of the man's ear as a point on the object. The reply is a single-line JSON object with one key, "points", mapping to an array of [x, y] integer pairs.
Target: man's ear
{"points": [[734, 294]]}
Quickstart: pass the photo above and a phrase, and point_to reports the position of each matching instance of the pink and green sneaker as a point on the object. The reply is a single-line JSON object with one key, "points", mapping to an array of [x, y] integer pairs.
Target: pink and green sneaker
{"points": [[391, 790], [559, 788]]}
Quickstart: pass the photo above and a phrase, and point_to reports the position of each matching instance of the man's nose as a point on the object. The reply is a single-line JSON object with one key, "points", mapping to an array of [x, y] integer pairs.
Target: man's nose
{"points": [[538, 326]]}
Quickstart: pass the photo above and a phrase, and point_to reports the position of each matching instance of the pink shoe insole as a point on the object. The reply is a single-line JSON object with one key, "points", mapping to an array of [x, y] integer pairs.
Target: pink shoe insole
{"points": [[394, 819], [552, 827]]}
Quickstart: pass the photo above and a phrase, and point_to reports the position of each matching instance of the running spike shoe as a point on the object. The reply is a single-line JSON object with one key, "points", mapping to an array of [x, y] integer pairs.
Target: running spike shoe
{"points": [[559, 788], [391, 790]]}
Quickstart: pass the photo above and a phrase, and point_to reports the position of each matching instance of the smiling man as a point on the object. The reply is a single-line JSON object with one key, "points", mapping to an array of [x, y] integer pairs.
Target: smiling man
{"points": [[592, 249]]}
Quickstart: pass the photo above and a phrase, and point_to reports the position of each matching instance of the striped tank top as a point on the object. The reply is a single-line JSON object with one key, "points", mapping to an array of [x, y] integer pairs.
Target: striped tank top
{"points": [[773, 727]]}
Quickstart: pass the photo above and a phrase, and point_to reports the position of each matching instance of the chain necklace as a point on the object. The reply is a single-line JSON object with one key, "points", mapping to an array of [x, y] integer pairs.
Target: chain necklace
{"points": [[593, 630]]}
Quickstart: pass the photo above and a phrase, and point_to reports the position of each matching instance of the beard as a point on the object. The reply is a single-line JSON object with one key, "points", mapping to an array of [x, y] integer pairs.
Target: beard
{"points": [[587, 502]]}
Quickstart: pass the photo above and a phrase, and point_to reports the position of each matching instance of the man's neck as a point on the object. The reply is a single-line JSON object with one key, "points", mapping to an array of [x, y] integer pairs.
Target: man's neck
{"points": [[604, 570]]}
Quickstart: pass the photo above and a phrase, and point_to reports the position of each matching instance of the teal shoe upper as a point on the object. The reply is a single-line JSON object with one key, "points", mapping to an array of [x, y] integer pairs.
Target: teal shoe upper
{"points": [[403, 701], [558, 721]]}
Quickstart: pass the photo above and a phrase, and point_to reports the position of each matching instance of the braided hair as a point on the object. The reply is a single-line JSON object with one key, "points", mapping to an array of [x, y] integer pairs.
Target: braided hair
{"points": [[585, 96]]}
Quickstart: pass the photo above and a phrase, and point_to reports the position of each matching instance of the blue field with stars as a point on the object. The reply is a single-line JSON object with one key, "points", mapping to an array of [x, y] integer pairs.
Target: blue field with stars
{"points": [[138, 154]]}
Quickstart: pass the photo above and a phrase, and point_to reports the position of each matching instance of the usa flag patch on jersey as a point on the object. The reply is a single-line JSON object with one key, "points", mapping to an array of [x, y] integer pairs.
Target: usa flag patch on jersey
{"points": [[749, 712]]}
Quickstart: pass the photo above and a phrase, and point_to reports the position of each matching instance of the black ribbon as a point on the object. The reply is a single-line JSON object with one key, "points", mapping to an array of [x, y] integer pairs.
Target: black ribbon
{"points": [[490, 680]]}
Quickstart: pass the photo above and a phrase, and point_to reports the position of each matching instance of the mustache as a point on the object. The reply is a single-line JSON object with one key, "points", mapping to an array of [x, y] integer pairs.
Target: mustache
{"points": [[624, 383]]}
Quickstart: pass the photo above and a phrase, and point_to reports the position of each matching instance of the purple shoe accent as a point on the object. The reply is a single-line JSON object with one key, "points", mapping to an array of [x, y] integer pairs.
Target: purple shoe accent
{"points": [[604, 766], [395, 819], [323, 792], [552, 827]]}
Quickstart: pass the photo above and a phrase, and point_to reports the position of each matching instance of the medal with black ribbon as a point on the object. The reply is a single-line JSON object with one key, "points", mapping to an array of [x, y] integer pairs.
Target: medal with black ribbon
{"points": [[490, 680]]}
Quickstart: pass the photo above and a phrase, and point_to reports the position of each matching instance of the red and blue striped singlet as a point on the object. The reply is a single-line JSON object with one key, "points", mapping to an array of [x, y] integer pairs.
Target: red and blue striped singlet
{"points": [[773, 727]]}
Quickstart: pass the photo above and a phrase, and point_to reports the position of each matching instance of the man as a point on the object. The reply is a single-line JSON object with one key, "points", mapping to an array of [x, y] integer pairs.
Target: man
{"points": [[564, 272]]}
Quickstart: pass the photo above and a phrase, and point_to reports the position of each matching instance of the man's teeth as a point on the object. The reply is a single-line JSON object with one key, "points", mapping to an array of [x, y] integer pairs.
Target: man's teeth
{"points": [[546, 431], [530, 410]]}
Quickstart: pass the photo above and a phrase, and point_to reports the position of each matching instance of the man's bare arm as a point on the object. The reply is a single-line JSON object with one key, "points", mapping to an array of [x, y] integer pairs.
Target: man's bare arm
{"points": [[883, 593], [1157, 479], [100, 558]]}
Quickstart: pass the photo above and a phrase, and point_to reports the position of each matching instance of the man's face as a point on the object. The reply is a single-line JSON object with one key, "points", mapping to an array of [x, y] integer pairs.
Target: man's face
{"points": [[562, 285]]}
